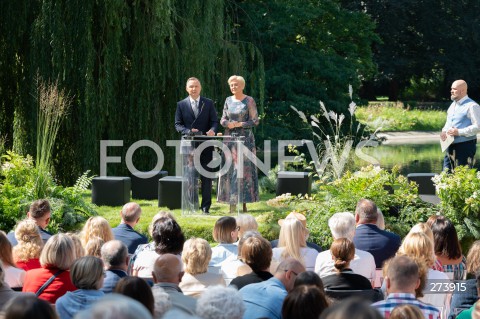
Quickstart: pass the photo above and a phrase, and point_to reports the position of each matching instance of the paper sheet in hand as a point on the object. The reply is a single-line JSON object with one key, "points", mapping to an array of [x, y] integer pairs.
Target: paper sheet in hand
{"points": [[445, 144]]}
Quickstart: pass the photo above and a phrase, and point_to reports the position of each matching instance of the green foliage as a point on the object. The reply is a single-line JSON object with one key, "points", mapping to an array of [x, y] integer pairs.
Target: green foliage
{"points": [[460, 200], [397, 118], [19, 181], [268, 184]]}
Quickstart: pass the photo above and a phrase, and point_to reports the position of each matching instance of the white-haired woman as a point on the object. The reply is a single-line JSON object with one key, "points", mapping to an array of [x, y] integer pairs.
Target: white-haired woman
{"points": [[292, 243], [240, 115]]}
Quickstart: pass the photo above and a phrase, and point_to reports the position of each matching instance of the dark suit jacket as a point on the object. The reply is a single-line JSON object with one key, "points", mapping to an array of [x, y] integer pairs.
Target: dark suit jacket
{"points": [[185, 118], [111, 279], [127, 235], [380, 243]]}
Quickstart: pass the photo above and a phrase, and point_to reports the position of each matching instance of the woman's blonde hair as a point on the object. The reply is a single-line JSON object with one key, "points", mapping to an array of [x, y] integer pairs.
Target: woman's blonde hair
{"points": [[246, 222], [473, 258], [196, 255], [96, 226], [292, 237], [406, 311], [422, 228], [418, 246], [237, 78], [79, 250], [59, 252], [29, 240], [94, 247]]}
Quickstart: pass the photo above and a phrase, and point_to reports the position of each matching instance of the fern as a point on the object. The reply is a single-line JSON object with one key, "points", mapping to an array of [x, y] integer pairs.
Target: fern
{"points": [[83, 182]]}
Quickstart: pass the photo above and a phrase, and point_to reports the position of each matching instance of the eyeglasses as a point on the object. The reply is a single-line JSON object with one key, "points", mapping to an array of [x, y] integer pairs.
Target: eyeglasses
{"points": [[291, 271]]}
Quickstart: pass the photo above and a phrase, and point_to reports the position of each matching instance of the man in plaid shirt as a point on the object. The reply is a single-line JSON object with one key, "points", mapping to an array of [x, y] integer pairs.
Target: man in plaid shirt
{"points": [[402, 279]]}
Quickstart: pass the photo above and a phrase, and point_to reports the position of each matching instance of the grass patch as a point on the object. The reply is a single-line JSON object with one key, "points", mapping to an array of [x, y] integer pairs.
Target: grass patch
{"points": [[395, 118], [200, 225]]}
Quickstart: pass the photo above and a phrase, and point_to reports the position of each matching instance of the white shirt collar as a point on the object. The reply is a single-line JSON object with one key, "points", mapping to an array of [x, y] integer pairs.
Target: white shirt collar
{"points": [[191, 100]]}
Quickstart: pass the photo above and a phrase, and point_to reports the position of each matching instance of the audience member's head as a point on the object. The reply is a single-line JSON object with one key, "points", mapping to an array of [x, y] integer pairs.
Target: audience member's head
{"points": [[196, 255], [28, 306], [306, 302], [138, 289], [402, 275], [115, 255], [406, 311], [225, 230], [96, 226], [94, 246], [309, 278], [293, 236], [288, 270], [342, 225], [59, 252], [162, 301], [445, 238], [167, 268], [246, 222], [366, 212], [476, 311], [130, 213], [257, 253], [423, 228], [418, 246], [6, 250], [157, 216], [30, 242], [343, 252], [351, 309], [168, 236], [116, 306], [40, 211], [246, 235], [77, 242], [473, 258], [87, 273], [220, 303], [380, 220]]}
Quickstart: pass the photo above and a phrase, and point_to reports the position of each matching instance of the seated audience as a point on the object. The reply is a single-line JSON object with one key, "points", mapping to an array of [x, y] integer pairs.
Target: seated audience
{"points": [[343, 252], [125, 232], [468, 298], [292, 243], [257, 254], [220, 303], [245, 223], [27, 306], [225, 233], [425, 228], [401, 281], [265, 299], [13, 276], [368, 237], [342, 225], [138, 289], [26, 253], [77, 242], [447, 248], [115, 258], [234, 264], [162, 302], [94, 246], [196, 255], [96, 227], [168, 238], [40, 213], [303, 220], [87, 276], [351, 309], [306, 302], [309, 278], [115, 306], [167, 275], [52, 280], [6, 293]]}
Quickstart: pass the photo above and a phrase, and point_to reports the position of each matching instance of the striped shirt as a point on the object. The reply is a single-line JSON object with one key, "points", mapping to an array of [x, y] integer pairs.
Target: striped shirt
{"points": [[385, 307]]}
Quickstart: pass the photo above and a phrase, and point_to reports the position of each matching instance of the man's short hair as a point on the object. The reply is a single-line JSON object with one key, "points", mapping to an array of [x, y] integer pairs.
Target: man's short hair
{"points": [[367, 210], [131, 212], [192, 79], [114, 253], [403, 272], [342, 225], [39, 208]]}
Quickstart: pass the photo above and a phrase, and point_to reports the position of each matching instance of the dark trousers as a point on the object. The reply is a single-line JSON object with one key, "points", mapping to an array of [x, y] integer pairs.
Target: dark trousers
{"points": [[460, 154], [205, 158]]}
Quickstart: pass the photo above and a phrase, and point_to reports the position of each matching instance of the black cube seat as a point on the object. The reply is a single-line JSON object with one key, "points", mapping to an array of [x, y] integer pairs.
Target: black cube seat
{"points": [[170, 192], [145, 186], [424, 182], [294, 183], [111, 190]]}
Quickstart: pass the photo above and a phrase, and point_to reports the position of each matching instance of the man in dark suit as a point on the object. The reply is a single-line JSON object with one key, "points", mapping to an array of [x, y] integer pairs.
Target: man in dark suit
{"points": [[124, 232], [196, 115], [115, 258], [380, 243]]}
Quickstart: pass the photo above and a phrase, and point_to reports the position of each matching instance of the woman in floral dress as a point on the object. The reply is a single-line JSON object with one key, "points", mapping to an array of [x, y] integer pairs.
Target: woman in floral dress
{"points": [[239, 117]]}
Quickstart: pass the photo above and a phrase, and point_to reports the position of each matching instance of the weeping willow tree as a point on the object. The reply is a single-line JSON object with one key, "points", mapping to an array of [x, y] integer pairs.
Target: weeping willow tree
{"points": [[126, 63]]}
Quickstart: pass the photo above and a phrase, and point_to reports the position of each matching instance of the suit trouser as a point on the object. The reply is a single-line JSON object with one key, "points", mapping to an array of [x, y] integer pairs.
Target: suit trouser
{"points": [[460, 154], [205, 158]]}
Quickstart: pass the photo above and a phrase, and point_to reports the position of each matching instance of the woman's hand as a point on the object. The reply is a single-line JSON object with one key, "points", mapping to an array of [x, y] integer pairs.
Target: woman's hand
{"points": [[232, 124]]}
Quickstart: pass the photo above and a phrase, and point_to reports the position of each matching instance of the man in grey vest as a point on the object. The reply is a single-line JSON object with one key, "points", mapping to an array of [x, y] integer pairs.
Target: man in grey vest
{"points": [[463, 118]]}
